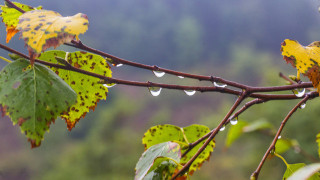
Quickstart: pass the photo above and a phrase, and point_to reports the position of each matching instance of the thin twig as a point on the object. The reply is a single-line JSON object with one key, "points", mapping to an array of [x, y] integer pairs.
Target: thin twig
{"points": [[255, 174], [286, 78], [10, 4], [214, 132]]}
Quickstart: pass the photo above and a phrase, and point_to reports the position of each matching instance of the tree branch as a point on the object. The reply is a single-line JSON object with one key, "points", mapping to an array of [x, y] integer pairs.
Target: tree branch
{"points": [[255, 174], [214, 132]]}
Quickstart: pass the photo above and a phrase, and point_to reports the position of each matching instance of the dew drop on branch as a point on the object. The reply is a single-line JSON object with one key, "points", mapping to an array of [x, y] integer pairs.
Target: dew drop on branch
{"points": [[279, 137], [223, 128], [155, 91], [299, 92], [302, 106], [221, 85], [190, 92], [117, 65], [234, 121], [109, 85], [181, 77], [159, 73]]}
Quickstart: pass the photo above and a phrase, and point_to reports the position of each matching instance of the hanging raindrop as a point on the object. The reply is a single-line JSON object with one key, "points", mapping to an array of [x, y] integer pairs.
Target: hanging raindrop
{"points": [[155, 91], [119, 65], [109, 85], [279, 137], [234, 121], [219, 85], [190, 92], [159, 73], [181, 77], [299, 92], [302, 106], [223, 128]]}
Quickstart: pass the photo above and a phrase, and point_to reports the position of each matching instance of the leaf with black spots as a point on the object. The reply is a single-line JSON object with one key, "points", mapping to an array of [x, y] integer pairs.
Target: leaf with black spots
{"points": [[183, 136], [89, 91], [42, 29], [10, 17], [158, 160], [33, 97], [305, 58]]}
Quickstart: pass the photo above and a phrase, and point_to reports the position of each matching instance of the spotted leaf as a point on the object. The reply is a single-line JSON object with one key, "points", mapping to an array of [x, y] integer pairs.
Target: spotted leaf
{"points": [[88, 89], [10, 17], [33, 97], [183, 136], [305, 58], [42, 29]]}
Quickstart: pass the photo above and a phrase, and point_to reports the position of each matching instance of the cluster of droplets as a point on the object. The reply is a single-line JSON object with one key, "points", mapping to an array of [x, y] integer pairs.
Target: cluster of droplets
{"points": [[299, 92], [155, 91]]}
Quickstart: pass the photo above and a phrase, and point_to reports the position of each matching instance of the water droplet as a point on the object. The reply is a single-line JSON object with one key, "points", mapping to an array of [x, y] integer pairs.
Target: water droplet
{"points": [[279, 137], [190, 92], [181, 77], [299, 92], [109, 85], [234, 121], [119, 65], [219, 85], [155, 91], [223, 128], [159, 73], [302, 106]]}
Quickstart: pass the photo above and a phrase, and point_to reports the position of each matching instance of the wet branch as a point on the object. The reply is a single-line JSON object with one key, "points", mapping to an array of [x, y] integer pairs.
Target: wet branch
{"points": [[308, 96]]}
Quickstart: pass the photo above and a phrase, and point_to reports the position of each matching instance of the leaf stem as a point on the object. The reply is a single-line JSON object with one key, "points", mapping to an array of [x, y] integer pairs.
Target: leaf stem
{"points": [[5, 59]]}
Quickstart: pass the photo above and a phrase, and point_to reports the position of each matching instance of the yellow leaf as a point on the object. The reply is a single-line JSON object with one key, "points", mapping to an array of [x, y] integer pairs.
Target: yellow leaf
{"points": [[42, 29], [305, 58]]}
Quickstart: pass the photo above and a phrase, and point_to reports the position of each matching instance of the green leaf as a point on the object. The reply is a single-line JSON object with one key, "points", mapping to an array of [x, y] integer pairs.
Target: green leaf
{"points": [[318, 141], [33, 97], [89, 91], [163, 168], [151, 157], [183, 136], [283, 145], [309, 172], [291, 168], [257, 125], [235, 132], [10, 17]]}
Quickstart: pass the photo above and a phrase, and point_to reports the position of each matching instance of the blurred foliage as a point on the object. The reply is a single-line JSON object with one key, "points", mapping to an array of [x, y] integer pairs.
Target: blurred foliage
{"points": [[237, 39]]}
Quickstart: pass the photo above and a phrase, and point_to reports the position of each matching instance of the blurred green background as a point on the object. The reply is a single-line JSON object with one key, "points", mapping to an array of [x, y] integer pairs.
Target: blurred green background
{"points": [[236, 39]]}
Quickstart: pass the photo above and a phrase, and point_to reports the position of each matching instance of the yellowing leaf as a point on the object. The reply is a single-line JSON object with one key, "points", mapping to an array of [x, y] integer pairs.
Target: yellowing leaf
{"points": [[42, 29], [89, 91], [305, 58], [10, 17]]}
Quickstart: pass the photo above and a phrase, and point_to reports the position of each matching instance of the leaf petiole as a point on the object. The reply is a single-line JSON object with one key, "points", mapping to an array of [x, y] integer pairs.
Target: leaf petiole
{"points": [[5, 59]]}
